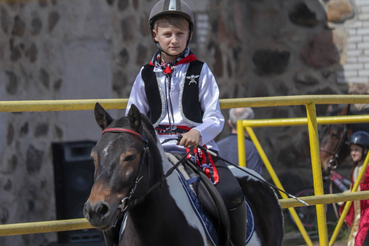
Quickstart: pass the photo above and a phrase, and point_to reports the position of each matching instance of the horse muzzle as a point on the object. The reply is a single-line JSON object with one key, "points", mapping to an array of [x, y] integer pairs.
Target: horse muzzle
{"points": [[100, 214]]}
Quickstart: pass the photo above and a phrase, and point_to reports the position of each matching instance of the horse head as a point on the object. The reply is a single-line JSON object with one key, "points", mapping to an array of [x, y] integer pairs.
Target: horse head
{"points": [[121, 160], [333, 146]]}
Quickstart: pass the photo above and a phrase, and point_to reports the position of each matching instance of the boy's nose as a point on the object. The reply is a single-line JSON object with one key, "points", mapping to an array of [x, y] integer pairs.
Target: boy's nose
{"points": [[175, 39]]}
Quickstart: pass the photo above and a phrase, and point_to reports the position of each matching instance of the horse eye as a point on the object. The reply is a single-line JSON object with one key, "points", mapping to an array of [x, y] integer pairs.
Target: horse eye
{"points": [[130, 158]]}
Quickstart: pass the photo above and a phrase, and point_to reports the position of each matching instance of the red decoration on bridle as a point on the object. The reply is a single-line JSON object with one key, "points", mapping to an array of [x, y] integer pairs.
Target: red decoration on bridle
{"points": [[119, 130]]}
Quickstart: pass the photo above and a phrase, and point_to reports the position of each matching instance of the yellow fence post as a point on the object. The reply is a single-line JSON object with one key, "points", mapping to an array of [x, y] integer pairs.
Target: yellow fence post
{"points": [[276, 181], [317, 172], [241, 144]]}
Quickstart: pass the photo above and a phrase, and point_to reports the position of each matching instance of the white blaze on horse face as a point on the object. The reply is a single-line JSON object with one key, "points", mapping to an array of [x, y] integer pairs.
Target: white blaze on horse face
{"points": [[181, 199], [106, 150]]}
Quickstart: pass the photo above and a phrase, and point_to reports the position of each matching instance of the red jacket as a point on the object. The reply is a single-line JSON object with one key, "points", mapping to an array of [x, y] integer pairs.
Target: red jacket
{"points": [[364, 212]]}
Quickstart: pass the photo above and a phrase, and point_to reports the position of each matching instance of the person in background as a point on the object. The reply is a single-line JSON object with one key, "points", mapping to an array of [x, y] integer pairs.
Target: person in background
{"points": [[358, 215], [228, 147]]}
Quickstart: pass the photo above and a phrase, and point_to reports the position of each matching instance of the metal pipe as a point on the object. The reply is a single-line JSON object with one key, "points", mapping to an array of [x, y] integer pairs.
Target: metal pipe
{"points": [[44, 226], [325, 199], [317, 172], [276, 181], [88, 104], [241, 144], [60, 105]]}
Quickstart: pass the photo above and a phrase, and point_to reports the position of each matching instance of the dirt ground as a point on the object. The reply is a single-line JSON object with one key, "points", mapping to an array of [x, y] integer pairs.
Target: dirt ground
{"points": [[295, 239]]}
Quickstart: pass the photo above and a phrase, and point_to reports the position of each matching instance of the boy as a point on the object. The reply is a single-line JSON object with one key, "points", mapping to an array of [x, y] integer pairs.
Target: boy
{"points": [[180, 96]]}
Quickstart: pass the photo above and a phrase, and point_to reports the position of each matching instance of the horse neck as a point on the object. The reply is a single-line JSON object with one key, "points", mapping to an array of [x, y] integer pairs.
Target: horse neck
{"points": [[156, 217], [165, 210]]}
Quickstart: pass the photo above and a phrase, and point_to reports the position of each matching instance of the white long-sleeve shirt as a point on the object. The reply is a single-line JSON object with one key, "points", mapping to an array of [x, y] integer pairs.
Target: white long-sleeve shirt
{"points": [[213, 120]]}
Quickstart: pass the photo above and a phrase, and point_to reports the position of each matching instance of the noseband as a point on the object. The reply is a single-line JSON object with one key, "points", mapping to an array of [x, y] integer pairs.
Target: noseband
{"points": [[128, 201], [333, 162]]}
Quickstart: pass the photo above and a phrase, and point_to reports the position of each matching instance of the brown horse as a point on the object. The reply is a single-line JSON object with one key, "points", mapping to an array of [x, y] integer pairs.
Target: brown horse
{"points": [[133, 181], [334, 138]]}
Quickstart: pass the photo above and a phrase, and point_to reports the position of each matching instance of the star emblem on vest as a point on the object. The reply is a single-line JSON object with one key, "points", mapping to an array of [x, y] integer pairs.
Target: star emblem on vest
{"points": [[192, 79]]}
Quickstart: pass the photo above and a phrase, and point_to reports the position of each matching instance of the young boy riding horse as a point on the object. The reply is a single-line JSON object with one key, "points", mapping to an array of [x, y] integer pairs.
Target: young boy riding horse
{"points": [[180, 96]]}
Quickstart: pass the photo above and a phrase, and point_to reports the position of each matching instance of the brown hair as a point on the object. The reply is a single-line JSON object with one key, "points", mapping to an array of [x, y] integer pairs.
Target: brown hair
{"points": [[173, 20], [354, 165]]}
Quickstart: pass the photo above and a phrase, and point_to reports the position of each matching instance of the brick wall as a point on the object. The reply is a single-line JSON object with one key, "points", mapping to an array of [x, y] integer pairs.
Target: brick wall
{"points": [[355, 66]]}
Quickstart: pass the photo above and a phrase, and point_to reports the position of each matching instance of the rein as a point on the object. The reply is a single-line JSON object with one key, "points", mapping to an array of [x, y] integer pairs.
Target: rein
{"points": [[128, 201]]}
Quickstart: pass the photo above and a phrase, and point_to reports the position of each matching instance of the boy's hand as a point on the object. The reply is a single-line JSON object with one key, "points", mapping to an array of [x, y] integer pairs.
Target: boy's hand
{"points": [[190, 139]]}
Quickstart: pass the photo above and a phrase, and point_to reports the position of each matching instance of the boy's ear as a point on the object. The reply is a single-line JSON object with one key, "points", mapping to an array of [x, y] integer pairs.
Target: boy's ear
{"points": [[155, 36]]}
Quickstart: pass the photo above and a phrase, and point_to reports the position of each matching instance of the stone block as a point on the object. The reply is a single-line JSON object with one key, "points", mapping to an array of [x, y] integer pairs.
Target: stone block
{"points": [[338, 11]]}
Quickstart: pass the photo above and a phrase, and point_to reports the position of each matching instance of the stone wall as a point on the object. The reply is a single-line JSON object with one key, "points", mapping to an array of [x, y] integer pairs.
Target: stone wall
{"points": [[54, 49], [279, 48]]}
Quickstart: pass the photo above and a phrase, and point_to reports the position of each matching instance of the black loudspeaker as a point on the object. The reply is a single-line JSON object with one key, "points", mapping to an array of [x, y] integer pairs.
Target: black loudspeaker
{"points": [[73, 177]]}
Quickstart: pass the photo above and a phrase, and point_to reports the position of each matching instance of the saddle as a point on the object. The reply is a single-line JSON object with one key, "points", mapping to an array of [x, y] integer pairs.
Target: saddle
{"points": [[206, 193]]}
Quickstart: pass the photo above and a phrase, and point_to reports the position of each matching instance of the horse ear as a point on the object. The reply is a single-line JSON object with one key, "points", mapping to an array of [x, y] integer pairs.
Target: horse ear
{"points": [[134, 116], [102, 117]]}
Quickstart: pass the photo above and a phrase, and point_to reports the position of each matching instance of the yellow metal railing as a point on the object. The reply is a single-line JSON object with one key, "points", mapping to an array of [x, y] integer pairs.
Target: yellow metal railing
{"points": [[312, 121], [309, 101], [79, 224], [88, 104]]}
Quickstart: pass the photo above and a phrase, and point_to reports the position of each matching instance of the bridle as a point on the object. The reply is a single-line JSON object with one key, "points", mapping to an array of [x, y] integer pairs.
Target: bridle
{"points": [[128, 201], [334, 161]]}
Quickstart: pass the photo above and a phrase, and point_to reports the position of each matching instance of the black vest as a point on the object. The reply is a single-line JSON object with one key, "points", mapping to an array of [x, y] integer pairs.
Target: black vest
{"points": [[191, 106]]}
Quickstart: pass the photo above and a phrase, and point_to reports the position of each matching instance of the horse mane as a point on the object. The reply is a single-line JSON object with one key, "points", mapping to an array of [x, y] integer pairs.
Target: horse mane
{"points": [[150, 134], [148, 124]]}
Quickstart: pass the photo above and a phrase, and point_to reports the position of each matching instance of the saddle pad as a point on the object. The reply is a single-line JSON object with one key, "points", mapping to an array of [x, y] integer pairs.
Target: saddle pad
{"points": [[250, 224], [200, 212]]}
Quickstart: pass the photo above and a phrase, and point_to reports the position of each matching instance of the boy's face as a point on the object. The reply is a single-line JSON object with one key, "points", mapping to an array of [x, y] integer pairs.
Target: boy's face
{"points": [[356, 152], [171, 39]]}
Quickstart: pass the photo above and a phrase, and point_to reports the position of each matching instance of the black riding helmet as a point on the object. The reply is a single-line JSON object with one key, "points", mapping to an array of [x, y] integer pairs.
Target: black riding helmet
{"points": [[171, 7], [360, 138]]}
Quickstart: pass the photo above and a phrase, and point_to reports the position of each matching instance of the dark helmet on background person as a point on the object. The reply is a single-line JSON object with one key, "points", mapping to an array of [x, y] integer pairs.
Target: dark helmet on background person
{"points": [[171, 7], [360, 138]]}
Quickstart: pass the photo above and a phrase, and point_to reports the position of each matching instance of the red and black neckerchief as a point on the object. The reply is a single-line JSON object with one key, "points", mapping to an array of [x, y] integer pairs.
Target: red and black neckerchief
{"points": [[167, 67]]}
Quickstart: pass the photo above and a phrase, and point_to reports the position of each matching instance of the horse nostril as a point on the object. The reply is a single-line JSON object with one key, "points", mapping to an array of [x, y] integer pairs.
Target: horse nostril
{"points": [[102, 210]]}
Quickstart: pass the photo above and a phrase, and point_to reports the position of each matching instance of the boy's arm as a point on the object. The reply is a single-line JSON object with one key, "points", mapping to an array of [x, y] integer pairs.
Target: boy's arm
{"points": [[138, 96], [213, 120]]}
